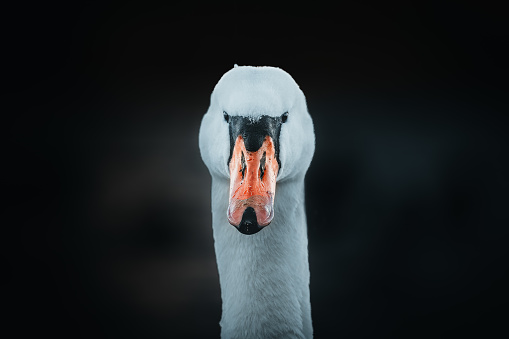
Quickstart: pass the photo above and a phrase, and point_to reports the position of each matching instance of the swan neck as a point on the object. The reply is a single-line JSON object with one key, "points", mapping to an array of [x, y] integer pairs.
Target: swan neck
{"points": [[264, 277]]}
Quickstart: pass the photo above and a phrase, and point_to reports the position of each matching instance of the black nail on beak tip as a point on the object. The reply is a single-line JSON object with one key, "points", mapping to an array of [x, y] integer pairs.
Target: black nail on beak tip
{"points": [[249, 224]]}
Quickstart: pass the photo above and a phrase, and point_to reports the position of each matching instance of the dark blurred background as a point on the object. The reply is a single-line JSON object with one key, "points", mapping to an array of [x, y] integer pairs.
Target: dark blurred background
{"points": [[107, 225]]}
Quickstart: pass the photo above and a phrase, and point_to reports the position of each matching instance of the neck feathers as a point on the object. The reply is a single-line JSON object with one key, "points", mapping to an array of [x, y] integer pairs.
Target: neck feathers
{"points": [[264, 277]]}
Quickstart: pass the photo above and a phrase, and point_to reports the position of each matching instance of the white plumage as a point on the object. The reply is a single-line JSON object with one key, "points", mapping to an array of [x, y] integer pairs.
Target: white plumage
{"points": [[264, 277]]}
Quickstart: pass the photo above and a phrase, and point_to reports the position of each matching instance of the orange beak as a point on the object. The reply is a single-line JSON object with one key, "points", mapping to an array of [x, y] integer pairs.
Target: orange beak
{"points": [[252, 186]]}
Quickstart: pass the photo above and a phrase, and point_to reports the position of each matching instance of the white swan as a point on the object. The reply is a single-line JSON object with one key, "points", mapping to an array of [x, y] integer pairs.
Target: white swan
{"points": [[258, 135]]}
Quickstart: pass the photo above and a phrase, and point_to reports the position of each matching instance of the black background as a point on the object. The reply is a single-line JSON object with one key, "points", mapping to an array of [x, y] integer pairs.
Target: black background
{"points": [[106, 230]]}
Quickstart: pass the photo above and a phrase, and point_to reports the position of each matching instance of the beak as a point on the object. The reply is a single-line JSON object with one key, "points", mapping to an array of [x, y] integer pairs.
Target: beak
{"points": [[252, 186]]}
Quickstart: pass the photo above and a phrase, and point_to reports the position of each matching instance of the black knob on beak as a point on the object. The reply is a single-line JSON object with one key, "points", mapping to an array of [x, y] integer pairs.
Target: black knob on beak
{"points": [[249, 224]]}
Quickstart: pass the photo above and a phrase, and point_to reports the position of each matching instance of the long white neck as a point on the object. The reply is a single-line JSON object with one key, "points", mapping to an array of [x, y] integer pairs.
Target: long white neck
{"points": [[264, 277]]}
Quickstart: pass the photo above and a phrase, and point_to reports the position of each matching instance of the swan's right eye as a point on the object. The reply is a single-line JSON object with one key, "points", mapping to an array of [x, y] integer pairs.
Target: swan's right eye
{"points": [[226, 116]]}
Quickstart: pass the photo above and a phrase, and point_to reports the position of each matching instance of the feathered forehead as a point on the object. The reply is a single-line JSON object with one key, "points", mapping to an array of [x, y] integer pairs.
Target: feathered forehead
{"points": [[254, 91]]}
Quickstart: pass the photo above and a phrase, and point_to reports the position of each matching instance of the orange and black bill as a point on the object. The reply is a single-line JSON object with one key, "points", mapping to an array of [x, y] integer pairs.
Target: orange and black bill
{"points": [[252, 186]]}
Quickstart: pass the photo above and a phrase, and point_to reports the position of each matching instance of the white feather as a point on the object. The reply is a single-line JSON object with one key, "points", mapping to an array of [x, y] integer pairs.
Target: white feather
{"points": [[264, 277]]}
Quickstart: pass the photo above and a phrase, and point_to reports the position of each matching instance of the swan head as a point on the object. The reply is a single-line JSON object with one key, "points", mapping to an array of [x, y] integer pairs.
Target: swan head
{"points": [[257, 134]]}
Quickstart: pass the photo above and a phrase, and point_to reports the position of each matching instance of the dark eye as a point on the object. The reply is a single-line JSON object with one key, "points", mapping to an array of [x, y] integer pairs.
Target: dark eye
{"points": [[284, 117], [226, 116]]}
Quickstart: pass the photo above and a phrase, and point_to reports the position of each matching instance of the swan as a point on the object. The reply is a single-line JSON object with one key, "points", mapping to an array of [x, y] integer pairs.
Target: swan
{"points": [[256, 136]]}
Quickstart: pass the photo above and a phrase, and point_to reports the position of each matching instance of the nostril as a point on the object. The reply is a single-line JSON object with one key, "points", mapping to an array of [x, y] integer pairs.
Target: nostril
{"points": [[243, 165], [262, 165]]}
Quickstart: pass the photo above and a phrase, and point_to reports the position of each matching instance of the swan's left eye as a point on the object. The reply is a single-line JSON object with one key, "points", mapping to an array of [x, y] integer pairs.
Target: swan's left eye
{"points": [[226, 116], [284, 117]]}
